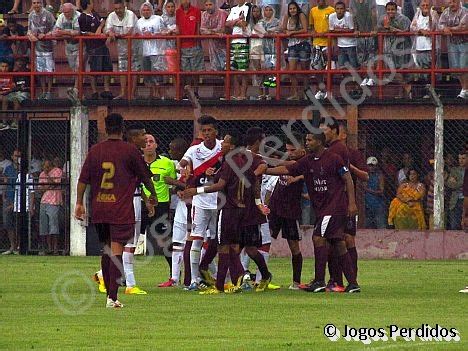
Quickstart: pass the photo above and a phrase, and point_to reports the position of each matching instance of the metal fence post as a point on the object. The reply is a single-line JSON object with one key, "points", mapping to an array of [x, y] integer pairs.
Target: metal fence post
{"points": [[23, 132], [439, 161], [78, 149]]}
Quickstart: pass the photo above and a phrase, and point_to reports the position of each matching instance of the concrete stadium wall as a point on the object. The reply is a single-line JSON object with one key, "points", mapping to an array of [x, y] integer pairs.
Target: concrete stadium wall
{"points": [[392, 244]]}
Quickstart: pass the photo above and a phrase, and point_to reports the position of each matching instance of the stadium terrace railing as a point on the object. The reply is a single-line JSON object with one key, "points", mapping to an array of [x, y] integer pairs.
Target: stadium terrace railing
{"points": [[379, 71]]}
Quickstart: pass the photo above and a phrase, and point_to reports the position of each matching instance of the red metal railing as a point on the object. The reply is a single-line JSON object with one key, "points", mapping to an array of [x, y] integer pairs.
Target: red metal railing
{"points": [[379, 71]]}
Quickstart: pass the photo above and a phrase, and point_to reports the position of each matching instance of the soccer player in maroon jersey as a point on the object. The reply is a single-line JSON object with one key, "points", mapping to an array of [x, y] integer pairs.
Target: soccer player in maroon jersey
{"points": [[358, 169], [113, 169], [232, 181], [285, 207], [331, 192]]}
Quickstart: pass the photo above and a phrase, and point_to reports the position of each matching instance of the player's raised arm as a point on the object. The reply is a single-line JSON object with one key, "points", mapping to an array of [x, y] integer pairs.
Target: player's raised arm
{"points": [[359, 173]]}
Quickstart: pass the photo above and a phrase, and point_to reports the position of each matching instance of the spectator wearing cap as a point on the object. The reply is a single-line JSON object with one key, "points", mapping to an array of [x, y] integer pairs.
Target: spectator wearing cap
{"points": [[374, 196], [455, 184]]}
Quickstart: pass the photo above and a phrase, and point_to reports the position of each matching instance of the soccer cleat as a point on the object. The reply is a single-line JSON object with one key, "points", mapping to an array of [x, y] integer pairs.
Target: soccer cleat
{"points": [[228, 286], [8, 252], [295, 286], [169, 284], [135, 291], [334, 287], [210, 291], [353, 288], [192, 287], [370, 82], [273, 287], [233, 290], [113, 304], [4, 126], [316, 287], [206, 276], [263, 284], [463, 94], [464, 291], [100, 280]]}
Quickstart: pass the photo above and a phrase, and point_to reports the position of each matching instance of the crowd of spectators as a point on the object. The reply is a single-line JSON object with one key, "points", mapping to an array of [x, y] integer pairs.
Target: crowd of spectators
{"points": [[252, 20], [44, 200], [403, 198]]}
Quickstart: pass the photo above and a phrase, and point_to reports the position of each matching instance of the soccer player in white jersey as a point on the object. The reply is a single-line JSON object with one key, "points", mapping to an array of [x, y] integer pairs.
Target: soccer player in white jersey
{"points": [[205, 159]]}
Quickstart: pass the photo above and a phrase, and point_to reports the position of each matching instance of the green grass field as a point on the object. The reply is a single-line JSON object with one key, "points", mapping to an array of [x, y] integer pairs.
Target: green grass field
{"points": [[51, 303]]}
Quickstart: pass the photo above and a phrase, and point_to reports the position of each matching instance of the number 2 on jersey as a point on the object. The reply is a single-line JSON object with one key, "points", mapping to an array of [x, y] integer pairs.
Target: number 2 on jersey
{"points": [[109, 172]]}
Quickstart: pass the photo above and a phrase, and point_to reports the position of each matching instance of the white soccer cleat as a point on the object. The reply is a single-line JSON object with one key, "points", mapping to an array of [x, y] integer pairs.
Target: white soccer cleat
{"points": [[294, 286], [463, 94], [364, 82], [464, 291], [370, 82], [113, 304]]}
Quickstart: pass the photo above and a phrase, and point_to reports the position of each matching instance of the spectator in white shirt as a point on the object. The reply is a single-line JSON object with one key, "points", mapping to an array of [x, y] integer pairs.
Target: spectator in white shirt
{"points": [[122, 22], [342, 22]]}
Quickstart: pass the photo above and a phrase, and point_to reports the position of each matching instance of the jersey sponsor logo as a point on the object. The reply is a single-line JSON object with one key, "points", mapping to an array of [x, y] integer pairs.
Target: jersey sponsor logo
{"points": [[104, 197]]}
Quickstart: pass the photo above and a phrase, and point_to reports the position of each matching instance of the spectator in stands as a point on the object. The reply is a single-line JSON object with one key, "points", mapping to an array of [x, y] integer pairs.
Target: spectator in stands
{"points": [[49, 6], [406, 209], [4, 163], [390, 172], [318, 22], [40, 26], [425, 20], [455, 19], [153, 49], [365, 21], [374, 196], [429, 182], [98, 54], [18, 92], [6, 52], [409, 7], [6, 86], [9, 223], [256, 45], [295, 22], [51, 202], [397, 49], [122, 22], [188, 20], [272, 25], [455, 183], [170, 28], [342, 22], [14, 29], [213, 21], [407, 160], [67, 27], [238, 21], [380, 6]]}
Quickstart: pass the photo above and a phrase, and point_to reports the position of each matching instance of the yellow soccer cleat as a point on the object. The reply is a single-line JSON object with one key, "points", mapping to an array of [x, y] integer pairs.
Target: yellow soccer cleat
{"points": [[273, 287], [210, 291], [228, 286], [100, 281], [233, 290], [135, 291], [263, 284]]}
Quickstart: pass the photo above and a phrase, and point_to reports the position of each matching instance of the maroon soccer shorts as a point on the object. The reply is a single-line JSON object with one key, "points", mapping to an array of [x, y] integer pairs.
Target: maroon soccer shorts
{"points": [[351, 225], [289, 227], [120, 233], [229, 226], [330, 227], [251, 236]]}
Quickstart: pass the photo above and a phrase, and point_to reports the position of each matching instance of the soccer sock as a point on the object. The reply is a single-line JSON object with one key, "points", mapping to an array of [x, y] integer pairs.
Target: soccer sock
{"points": [[261, 264], [169, 262], [354, 257], [223, 266], [348, 269], [321, 254], [177, 257], [128, 262], [187, 268], [296, 261], [245, 260], [105, 262], [266, 256], [195, 259], [235, 266], [209, 255], [334, 267], [115, 275]]}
